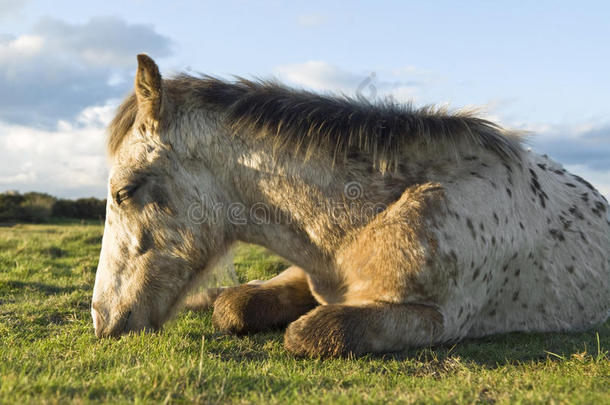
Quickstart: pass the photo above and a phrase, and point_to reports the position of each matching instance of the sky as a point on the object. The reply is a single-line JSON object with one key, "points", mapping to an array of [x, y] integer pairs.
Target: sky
{"points": [[541, 67]]}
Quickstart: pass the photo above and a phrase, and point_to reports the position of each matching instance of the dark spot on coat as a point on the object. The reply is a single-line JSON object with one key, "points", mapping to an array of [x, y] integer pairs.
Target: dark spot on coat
{"points": [[557, 234], [542, 166], [566, 223], [570, 269], [516, 296], [476, 273], [542, 202], [576, 212], [582, 236], [471, 227], [599, 208], [583, 181], [453, 255], [510, 193], [496, 219]]}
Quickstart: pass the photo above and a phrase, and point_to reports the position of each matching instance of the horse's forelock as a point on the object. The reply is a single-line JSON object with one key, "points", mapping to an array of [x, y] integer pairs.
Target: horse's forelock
{"points": [[121, 123]]}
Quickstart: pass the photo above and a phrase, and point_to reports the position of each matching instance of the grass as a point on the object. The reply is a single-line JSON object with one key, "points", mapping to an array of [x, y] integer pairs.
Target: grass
{"points": [[48, 353]]}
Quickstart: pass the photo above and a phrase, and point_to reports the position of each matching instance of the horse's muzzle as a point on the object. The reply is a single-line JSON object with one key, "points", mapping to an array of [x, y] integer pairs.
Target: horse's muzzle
{"points": [[106, 327]]}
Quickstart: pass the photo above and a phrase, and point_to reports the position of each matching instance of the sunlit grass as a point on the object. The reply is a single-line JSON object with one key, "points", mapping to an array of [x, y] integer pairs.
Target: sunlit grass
{"points": [[48, 352]]}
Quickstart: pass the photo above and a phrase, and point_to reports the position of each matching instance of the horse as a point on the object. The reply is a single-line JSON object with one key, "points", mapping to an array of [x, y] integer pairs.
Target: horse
{"points": [[404, 226]]}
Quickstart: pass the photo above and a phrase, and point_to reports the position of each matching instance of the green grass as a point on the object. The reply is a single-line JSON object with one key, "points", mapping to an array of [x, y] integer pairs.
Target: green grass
{"points": [[48, 353]]}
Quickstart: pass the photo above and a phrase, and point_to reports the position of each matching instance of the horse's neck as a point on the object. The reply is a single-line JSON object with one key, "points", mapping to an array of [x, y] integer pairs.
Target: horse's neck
{"points": [[285, 202], [304, 210]]}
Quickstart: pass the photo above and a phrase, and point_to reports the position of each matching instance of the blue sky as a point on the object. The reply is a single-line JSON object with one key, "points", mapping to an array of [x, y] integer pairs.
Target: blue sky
{"points": [[538, 66]]}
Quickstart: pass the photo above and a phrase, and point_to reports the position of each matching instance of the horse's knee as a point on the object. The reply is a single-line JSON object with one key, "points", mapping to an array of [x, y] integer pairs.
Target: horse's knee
{"points": [[243, 309], [327, 331], [252, 308]]}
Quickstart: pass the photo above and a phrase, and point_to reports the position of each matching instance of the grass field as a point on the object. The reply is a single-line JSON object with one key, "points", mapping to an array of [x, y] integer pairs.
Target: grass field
{"points": [[48, 353]]}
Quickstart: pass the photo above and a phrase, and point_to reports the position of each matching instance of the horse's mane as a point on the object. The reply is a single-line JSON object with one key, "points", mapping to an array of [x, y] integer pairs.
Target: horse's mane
{"points": [[299, 120]]}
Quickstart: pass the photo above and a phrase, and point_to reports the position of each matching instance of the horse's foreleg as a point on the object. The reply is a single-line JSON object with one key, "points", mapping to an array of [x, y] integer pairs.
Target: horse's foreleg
{"points": [[341, 330], [202, 300], [255, 307]]}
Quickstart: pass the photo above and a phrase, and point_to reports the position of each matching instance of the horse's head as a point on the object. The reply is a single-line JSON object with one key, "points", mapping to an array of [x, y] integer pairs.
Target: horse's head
{"points": [[152, 249]]}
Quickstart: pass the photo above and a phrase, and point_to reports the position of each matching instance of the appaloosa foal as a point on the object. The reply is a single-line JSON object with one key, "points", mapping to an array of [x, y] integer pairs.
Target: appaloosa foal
{"points": [[409, 227]]}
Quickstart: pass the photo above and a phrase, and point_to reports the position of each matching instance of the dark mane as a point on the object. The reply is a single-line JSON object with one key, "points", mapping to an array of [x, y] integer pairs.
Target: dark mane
{"points": [[304, 121]]}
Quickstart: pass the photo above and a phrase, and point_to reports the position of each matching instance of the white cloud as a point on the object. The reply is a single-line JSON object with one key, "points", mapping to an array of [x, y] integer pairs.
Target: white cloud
{"points": [[68, 161], [25, 45], [102, 41], [320, 76], [54, 70], [49, 141]]}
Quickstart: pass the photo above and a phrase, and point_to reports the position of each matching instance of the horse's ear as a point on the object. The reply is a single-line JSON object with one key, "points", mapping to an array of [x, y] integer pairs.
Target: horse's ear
{"points": [[148, 87]]}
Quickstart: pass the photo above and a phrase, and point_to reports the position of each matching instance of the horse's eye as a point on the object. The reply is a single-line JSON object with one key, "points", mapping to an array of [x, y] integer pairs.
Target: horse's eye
{"points": [[125, 193]]}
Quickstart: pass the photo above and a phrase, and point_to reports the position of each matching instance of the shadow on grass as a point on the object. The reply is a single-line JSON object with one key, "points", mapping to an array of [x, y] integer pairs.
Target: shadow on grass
{"points": [[247, 347], [514, 348], [47, 289], [490, 352]]}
